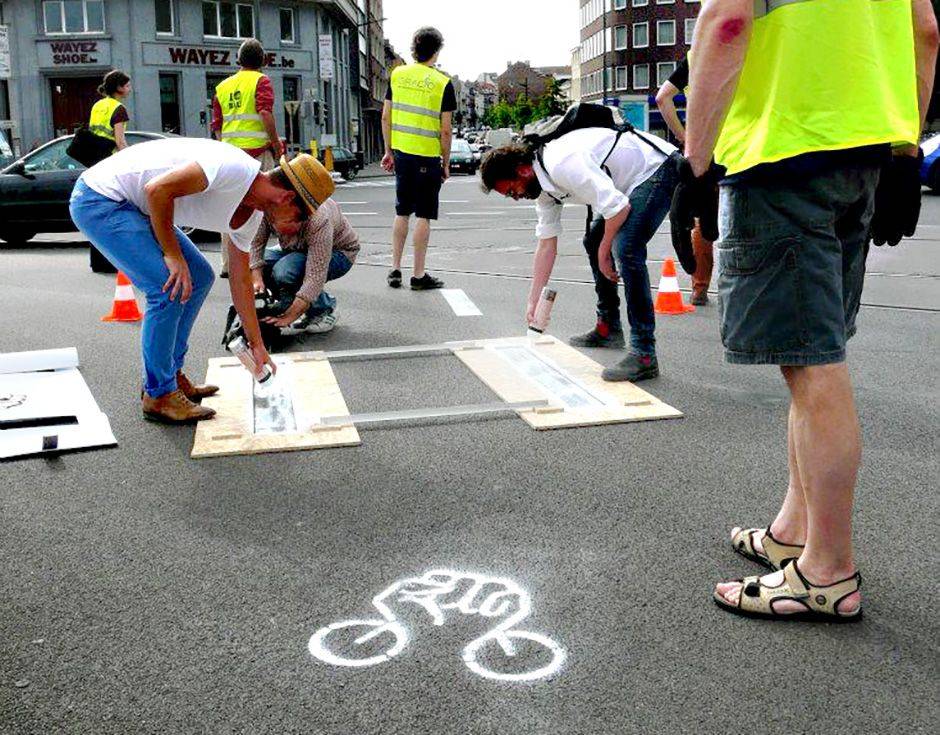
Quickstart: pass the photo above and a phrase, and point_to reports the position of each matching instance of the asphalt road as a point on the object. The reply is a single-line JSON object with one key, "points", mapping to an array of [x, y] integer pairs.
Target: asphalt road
{"points": [[145, 592]]}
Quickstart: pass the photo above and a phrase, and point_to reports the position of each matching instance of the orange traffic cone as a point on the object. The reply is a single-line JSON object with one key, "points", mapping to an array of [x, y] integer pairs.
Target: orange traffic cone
{"points": [[125, 305], [668, 297]]}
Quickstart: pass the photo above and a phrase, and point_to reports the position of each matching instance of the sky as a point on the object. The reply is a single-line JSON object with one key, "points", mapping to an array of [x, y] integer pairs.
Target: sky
{"points": [[482, 35]]}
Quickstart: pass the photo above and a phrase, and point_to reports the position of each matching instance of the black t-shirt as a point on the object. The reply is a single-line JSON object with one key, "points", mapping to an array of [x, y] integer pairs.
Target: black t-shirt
{"points": [[680, 77], [448, 104]]}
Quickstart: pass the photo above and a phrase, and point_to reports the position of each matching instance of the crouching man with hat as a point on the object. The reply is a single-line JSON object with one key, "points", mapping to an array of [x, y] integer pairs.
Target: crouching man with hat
{"points": [[296, 269], [131, 206]]}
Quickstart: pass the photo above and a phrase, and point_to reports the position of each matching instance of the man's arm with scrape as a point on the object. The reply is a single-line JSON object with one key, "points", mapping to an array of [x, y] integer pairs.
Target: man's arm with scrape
{"points": [[722, 35]]}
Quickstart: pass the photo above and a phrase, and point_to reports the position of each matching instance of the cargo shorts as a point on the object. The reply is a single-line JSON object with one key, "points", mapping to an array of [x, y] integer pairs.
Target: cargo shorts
{"points": [[791, 265]]}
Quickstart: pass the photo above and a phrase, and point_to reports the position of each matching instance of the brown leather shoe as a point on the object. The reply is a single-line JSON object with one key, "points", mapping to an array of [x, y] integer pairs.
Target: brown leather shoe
{"points": [[174, 408], [194, 392]]}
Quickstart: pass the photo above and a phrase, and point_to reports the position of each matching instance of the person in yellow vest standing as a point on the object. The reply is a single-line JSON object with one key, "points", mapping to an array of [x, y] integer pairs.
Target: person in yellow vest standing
{"points": [[702, 249], [416, 124], [243, 116], [804, 150], [109, 116]]}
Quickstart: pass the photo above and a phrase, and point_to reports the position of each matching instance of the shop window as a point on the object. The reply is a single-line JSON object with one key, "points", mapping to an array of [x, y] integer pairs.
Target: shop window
{"points": [[73, 16], [170, 103], [163, 14], [287, 25], [227, 20]]}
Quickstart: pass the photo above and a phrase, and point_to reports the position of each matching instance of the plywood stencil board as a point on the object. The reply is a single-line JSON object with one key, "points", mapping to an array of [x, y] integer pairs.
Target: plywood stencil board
{"points": [[521, 369], [313, 391]]}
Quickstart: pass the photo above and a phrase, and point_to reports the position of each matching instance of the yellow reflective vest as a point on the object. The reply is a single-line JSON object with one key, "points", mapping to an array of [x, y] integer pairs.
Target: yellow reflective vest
{"points": [[417, 93], [822, 75], [101, 113], [241, 123]]}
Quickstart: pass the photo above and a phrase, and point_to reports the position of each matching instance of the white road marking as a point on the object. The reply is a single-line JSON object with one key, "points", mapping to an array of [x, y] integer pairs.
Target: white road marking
{"points": [[454, 201], [482, 596], [460, 302]]}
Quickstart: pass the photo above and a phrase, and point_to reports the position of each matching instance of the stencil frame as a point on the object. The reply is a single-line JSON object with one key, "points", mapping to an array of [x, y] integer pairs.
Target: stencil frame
{"points": [[324, 420]]}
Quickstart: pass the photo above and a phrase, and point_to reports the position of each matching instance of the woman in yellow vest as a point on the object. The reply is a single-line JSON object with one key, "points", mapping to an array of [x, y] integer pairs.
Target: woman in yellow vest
{"points": [[109, 116]]}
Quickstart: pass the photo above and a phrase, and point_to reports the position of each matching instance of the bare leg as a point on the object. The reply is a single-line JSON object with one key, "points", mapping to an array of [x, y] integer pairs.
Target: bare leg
{"points": [[399, 235], [789, 527], [827, 446], [420, 242]]}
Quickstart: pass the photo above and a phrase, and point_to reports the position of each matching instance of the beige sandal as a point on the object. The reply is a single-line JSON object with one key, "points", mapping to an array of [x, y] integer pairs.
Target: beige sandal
{"points": [[775, 555], [757, 598]]}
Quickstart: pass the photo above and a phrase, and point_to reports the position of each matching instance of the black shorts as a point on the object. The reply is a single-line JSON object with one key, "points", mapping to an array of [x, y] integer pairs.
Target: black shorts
{"points": [[417, 185]]}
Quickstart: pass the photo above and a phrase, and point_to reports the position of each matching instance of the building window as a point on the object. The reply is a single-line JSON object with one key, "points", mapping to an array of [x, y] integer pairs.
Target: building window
{"points": [[664, 70], [620, 38], [287, 25], [620, 4], [169, 103], [73, 16], [641, 76], [640, 3], [689, 30], [227, 20], [665, 2], [163, 12], [641, 35], [621, 77], [665, 32]]}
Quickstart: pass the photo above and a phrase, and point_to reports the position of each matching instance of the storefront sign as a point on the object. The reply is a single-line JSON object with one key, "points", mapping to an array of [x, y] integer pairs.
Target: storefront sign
{"points": [[4, 52], [156, 54], [326, 57], [74, 52]]}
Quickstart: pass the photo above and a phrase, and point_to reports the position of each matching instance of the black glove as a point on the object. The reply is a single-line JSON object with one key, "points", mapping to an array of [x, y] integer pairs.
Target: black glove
{"points": [[897, 200], [695, 197]]}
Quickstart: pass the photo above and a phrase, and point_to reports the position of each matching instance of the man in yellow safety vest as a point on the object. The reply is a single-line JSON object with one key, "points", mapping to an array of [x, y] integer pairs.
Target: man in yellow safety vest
{"points": [[243, 115], [804, 150], [416, 124]]}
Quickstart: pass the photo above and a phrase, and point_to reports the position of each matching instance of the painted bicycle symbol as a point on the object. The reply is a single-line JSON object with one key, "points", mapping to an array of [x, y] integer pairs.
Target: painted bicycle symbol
{"points": [[11, 400], [438, 592]]}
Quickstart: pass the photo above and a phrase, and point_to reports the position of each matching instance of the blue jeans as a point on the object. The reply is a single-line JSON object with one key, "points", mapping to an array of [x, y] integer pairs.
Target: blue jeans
{"points": [[649, 205], [122, 232], [284, 274]]}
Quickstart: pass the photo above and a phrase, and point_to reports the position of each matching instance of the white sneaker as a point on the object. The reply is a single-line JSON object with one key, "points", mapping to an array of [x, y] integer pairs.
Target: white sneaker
{"points": [[298, 326], [321, 324]]}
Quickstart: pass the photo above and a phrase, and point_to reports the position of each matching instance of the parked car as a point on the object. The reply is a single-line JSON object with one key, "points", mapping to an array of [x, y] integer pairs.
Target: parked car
{"points": [[930, 169], [461, 157], [478, 149], [35, 190], [345, 162]]}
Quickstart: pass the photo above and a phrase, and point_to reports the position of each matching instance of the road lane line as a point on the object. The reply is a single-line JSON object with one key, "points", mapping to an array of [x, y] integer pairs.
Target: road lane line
{"points": [[460, 302]]}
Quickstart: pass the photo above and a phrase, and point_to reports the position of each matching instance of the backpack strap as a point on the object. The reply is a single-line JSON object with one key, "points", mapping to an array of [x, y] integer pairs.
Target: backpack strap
{"points": [[650, 140]]}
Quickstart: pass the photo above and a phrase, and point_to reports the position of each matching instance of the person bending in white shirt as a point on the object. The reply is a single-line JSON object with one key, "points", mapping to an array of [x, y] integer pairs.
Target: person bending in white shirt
{"points": [[629, 185], [131, 206]]}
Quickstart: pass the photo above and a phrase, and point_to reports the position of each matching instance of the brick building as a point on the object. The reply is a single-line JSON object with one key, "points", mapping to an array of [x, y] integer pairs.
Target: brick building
{"points": [[521, 79], [629, 47]]}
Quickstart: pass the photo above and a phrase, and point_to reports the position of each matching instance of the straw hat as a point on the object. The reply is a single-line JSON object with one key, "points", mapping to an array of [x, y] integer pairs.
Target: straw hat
{"points": [[309, 178]]}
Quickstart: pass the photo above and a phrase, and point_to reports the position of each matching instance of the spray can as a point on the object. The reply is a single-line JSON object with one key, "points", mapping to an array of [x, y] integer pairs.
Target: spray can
{"points": [[239, 347], [543, 310]]}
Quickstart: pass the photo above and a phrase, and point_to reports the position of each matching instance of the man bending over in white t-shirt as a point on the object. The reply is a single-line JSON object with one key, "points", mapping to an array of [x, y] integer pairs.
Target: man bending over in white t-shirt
{"points": [[629, 185], [131, 206]]}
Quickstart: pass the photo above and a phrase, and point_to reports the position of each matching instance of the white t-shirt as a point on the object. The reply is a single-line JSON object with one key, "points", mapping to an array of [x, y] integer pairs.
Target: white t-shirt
{"points": [[229, 171], [573, 173]]}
